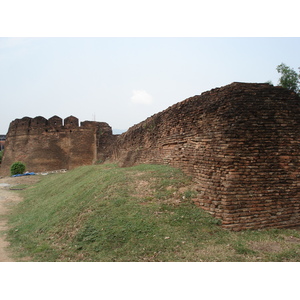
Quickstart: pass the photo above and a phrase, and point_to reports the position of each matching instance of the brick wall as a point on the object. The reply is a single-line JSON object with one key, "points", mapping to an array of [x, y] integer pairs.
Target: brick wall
{"points": [[241, 144], [45, 145]]}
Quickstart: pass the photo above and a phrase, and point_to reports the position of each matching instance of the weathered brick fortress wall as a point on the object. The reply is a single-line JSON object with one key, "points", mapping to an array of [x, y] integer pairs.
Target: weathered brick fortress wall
{"points": [[46, 145], [241, 144]]}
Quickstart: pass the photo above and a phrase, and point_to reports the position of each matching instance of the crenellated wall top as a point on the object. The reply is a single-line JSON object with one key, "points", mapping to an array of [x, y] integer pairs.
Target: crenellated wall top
{"points": [[28, 124]]}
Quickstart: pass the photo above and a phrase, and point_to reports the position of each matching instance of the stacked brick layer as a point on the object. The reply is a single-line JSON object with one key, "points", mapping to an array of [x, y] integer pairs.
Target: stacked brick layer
{"points": [[241, 144], [45, 145]]}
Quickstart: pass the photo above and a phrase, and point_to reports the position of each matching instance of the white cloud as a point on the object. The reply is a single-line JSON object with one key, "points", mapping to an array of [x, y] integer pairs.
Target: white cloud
{"points": [[141, 97]]}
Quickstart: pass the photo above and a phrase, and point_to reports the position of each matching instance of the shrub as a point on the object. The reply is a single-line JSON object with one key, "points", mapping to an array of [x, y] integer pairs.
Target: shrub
{"points": [[17, 168]]}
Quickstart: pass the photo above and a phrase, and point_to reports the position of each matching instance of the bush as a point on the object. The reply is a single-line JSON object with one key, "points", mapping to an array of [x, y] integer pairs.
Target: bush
{"points": [[17, 168]]}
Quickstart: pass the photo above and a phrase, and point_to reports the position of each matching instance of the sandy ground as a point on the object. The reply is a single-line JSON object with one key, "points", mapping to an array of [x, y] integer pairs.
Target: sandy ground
{"points": [[8, 198]]}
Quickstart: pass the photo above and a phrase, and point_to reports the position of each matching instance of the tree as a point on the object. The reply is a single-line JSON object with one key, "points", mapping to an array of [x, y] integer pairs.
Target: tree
{"points": [[289, 78]]}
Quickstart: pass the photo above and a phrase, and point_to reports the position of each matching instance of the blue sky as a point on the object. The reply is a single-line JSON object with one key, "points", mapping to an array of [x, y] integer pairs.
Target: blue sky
{"points": [[122, 61], [122, 81]]}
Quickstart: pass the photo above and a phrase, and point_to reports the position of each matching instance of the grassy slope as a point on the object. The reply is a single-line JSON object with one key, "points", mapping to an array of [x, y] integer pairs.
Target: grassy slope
{"points": [[143, 213]]}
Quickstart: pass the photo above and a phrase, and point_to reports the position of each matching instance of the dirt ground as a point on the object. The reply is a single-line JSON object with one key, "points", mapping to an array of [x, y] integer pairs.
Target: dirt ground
{"points": [[8, 198]]}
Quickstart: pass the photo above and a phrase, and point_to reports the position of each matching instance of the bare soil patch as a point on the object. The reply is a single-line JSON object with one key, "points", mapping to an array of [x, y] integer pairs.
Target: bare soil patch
{"points": [[267, 246], [8, 198]]}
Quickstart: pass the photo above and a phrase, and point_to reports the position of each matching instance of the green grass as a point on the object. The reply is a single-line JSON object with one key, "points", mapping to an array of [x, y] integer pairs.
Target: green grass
{"points": [[142, 213]]}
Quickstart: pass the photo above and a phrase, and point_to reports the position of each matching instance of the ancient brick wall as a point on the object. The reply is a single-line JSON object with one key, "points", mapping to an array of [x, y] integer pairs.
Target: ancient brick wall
{"points": [[241, 144], [45, 145]]}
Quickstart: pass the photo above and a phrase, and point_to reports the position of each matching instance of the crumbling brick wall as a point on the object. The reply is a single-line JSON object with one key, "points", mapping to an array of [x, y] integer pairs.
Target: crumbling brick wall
{"points": [[45, 145], [241, 144]]}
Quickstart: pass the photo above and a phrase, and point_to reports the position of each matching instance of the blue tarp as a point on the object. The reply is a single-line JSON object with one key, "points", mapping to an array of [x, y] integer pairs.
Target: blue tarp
{"points": [[25, 174]]}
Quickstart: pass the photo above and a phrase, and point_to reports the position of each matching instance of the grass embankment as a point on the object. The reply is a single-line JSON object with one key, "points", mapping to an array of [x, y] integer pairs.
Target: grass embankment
{"points": [[143, 213]]}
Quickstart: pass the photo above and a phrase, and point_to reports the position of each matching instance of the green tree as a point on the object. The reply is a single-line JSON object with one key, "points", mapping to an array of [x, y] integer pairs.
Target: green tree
{"points": [[289, 78]]}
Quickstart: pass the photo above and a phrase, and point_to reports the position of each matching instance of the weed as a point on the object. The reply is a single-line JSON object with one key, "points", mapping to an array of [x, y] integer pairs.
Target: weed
{"points": [[189, 194], [241, 248]]}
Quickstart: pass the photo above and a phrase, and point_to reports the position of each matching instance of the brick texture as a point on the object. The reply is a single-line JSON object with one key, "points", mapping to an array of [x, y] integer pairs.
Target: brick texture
{"points": [[241, 144], [46, 145]]}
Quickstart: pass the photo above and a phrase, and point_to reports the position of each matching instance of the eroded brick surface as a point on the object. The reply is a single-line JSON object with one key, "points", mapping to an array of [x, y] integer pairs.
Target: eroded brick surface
{"points": [[45, 145], [241, 144]]}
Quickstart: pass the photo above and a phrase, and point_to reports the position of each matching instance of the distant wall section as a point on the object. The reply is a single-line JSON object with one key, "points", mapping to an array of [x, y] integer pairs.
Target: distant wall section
{"points": [[55, 143]]}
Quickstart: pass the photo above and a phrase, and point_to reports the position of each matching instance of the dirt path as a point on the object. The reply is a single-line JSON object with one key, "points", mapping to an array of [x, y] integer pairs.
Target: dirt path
{"points": [[8, 198]]}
